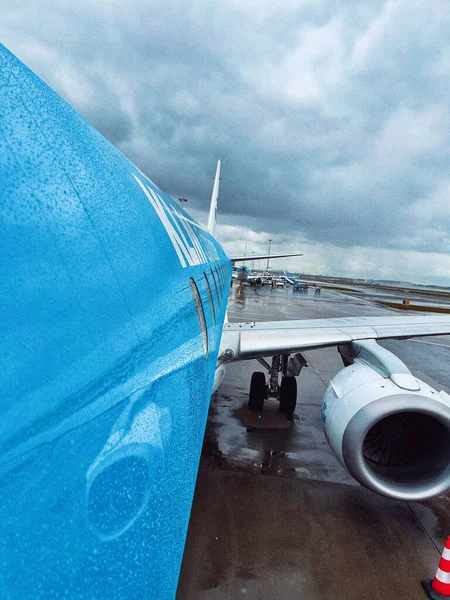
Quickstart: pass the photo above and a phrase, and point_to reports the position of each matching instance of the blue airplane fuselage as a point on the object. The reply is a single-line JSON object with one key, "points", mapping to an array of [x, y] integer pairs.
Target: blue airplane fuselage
{"points": [[112, 306]]}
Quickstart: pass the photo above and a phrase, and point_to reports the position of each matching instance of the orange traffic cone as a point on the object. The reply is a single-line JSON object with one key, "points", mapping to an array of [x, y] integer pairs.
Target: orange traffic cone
{"points": [[439, 588]]}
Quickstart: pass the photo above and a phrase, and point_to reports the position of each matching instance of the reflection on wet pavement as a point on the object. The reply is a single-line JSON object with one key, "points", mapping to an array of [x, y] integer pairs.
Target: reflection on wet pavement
{"points": [[271, 497]]}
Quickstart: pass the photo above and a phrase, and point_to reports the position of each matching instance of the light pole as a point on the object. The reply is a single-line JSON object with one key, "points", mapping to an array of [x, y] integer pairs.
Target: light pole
{"points": [[182, 201], [267, 268]]}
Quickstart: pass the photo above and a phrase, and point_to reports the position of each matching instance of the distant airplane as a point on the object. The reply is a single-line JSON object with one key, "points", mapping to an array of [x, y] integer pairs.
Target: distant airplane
{"points": [[244, 273], [114, 335]]}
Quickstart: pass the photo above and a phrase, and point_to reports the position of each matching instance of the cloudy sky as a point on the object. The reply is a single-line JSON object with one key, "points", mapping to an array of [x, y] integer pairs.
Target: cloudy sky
{"points": [[331, 118]]}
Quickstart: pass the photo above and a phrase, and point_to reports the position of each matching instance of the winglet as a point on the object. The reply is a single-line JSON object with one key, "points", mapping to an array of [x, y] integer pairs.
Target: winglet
{"points": [[213, 205]]}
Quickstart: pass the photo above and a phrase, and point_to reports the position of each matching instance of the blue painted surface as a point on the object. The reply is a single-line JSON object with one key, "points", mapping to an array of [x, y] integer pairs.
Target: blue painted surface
{"points": [[105, 385]]}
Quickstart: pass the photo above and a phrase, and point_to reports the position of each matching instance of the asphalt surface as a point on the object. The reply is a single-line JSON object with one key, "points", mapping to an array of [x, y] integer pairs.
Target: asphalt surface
{"points": [[274, 514]]}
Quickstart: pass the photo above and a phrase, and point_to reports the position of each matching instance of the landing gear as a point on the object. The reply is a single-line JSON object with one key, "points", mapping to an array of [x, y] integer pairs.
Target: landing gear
{"points": [[286, 392], [288, 395], [257, 391]]}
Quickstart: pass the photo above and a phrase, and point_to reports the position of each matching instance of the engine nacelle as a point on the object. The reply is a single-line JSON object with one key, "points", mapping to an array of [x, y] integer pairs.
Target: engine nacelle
{"points": [[390, 430]]}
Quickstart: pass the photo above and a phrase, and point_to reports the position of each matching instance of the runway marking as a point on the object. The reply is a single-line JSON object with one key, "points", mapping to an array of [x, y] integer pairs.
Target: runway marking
{"points": [[431, 343]]}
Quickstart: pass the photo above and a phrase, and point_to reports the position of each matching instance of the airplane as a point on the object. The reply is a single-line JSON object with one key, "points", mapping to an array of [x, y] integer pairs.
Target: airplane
{"points": [[107, 378], [245, 275]]}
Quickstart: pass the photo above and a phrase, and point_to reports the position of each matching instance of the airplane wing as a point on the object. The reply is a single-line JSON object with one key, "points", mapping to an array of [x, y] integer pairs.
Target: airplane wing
{"points": [[235, 259], [241, 341], [389, 429]]}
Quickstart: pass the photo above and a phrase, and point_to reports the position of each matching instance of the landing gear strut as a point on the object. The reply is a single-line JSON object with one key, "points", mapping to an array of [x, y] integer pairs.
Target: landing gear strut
{"points": [[286, 392]]}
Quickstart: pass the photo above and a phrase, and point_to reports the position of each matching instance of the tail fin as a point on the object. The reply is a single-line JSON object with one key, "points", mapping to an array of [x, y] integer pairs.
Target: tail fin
{"points": [[213, 205]]}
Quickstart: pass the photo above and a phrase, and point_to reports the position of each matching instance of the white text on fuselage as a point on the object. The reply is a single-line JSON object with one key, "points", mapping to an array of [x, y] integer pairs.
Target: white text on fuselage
{"points": [[189, 240]]}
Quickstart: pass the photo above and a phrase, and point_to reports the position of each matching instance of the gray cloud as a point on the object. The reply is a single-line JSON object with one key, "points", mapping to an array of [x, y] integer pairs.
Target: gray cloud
{"points": [[331, 119]]}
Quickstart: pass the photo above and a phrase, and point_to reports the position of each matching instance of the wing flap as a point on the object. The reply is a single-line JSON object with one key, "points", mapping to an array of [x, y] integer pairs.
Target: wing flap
{"points": [[254, 344]]}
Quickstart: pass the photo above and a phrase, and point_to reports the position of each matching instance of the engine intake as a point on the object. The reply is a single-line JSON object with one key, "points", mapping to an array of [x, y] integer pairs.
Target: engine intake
{"points": [[392, 440], [399, 446]]}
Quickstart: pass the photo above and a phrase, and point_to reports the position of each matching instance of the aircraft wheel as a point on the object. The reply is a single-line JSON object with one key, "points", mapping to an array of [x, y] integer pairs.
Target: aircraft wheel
{"points": [[257, 391], [288, 395]]}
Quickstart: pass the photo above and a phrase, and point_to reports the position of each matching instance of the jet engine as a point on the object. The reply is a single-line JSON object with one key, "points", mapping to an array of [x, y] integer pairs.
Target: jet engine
{"points": [[390, 430]]}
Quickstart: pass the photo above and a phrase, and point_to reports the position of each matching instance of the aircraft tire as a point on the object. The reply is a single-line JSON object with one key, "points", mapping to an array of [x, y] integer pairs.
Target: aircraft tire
{"points": [[288, 395], [257, 391]]}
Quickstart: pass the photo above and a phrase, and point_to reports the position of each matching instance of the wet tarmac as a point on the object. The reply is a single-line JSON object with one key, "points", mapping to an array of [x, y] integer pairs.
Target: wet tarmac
{"points": [[414, 296], [274, 514]]}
